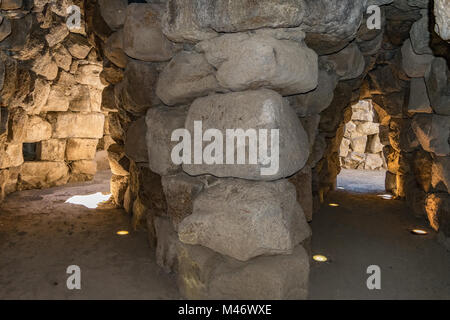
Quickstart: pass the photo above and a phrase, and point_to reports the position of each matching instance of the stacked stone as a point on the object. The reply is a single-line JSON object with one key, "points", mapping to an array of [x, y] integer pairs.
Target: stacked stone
{"points": [[51, 116], [210, 219], [361, 147]]}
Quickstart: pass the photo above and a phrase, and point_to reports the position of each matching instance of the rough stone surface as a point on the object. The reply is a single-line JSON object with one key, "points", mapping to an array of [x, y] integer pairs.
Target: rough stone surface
{"points": [[119, 185], [10, 155], [180, 191], [203, 274], [51, 150], [78, 125], [437, 206], [113, 12], [414, 65], [245, 61], [185, 78], [135, 143], [348, 63], [81, 149], [37, 130], [43, 174], [161, 122], [433, 133], [166, 245], [244, 219], [142, 35], [303, 184], [238, 110], [442, 14], [418, 99], [440, 174], [437, 79]]}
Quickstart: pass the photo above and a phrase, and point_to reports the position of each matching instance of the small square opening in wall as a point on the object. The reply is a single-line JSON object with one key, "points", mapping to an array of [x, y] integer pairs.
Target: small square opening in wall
{"points": [[29, 151], [4, 114]]}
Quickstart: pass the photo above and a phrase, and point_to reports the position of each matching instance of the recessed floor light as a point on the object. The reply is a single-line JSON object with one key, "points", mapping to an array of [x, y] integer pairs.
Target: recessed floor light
{"points": [[333, 205], [419, 232], [122, 232], [385, 196], [341, 188], [320, 258]]}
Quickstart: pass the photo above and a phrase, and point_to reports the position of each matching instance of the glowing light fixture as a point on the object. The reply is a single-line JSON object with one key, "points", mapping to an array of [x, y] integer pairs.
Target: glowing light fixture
{"points": [[385, 196], [320, 258], [90, 201], [419, 232], [333, 205], [122, 233], [341, 188]]}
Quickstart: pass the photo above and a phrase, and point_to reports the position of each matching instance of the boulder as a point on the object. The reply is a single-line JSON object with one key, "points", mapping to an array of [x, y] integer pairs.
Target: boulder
{"points": [[244, 219], [374, 144], [51, 150], [367, 128], [373, 161], [136, 93], [62, 57], [359, 144], [263, 59], [57, 34], [437, 79], [186, 77], [422, 169], [344, 148], [204, 274], [135, 142], [142, 35], [180, 191], [37, 130], [78, 46], [303, 184], [363, 111], [420, 36], [415, 65], [78, 125], [45, 66], [15, 124], [442, 14], [11, 4], [348, 63], [433, 133], [82, 170], [5, 29], [113, 49], [81, 149], [161, 124], [113, 12], [317, 100], [241, 107], [418, 97], [118, 162], [43, 174]]}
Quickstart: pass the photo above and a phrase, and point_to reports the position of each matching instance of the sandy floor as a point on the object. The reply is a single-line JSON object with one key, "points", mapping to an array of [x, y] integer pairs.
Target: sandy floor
{"points": [[367, 230], [40, 235]]}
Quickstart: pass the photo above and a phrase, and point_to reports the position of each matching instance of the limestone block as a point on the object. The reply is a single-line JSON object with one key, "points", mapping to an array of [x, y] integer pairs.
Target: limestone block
{"points": [[437, 79], [78, 125], [433, 133], [440, 174], [43, 174], [135, 142], [10, 155], [81, 149], [113, 12], [37, 130], [418, 98], [414, 65], [348, 63], [303, 184], [51, 150]]}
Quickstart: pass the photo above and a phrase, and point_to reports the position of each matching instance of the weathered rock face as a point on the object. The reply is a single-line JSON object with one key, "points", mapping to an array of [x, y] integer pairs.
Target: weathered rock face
{"points": [[438, 210], [113, 12], [135, 143], [418, 99], [415, 65], [273, 113], [81, 149], [243, 219], [263, 59], [161, 123], [142, 35], [437, 79], [187, 76], [42, 174], [204, 274], [440, 174], [78, 125], [348, 63], [433, 133], [442, 14]]}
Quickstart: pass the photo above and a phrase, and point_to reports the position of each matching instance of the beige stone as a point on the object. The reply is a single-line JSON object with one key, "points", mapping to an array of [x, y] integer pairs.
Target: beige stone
{"points": [[78, 125], [10, 155], [37, 130], [81, 149], [51, 150], [43, 174]]}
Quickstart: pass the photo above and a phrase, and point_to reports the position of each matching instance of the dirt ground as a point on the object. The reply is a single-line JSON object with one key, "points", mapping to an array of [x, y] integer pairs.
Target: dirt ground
{"points": [[41, 235]]}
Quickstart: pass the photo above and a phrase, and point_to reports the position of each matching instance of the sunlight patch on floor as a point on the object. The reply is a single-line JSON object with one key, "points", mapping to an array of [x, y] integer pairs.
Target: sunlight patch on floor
{"points": [[90, 201]]}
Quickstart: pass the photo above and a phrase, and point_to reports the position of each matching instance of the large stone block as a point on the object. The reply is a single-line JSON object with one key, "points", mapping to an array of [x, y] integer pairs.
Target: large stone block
{"points": [[433, 132], [244, 219], [11, 155], [204, 274], [303, 184], [193, 21], [437, 79], [161, 123], [415, 65], [135, 143], [113, 12], [81, 149], [418, 97], [166, 245], [180, 191], [43, 174], [348, 63], [37, 130], [118, 161], [442, 14], [118, 187], [51, 150], [237, 111], [82, 170], [437, 206], [142, 35], [420, 36], [186, 77], [78, 125], [263, 59]]}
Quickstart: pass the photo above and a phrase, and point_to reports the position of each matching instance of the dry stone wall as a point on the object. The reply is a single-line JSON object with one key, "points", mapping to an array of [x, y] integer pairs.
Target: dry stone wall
{"points": [[52, 122]]}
